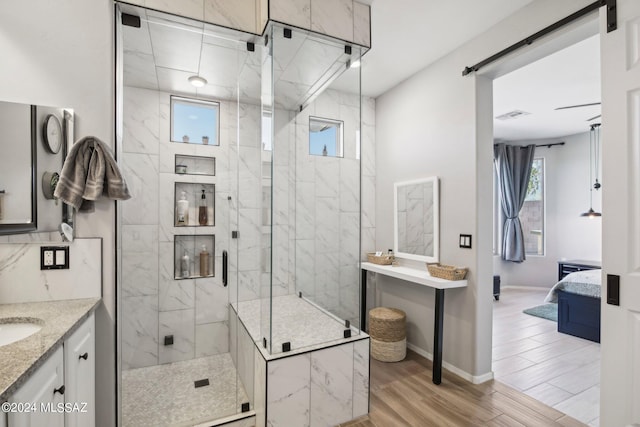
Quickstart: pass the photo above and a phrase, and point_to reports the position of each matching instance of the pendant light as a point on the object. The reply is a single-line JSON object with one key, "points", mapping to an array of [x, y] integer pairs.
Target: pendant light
{"points": [[594, 151]]}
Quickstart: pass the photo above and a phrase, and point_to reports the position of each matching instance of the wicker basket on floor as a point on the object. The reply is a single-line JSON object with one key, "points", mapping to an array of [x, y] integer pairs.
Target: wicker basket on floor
{"points": [[388, 332], [449, 272]]}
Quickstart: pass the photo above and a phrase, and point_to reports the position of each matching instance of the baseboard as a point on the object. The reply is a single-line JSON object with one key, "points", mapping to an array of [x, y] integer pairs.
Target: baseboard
{"points": [[474, 379]]}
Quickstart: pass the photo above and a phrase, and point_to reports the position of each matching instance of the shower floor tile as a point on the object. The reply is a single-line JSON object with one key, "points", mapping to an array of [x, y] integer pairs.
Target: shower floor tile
{"points": [[164, 395]]}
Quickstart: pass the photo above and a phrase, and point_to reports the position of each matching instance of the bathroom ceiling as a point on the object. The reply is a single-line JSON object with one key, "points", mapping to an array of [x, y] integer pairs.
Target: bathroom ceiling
{"points": [[163, 53], [166, 50]]}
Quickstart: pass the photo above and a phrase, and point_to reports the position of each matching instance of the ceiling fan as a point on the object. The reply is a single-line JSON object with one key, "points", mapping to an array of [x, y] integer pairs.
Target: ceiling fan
{"points": [[582, 105]]}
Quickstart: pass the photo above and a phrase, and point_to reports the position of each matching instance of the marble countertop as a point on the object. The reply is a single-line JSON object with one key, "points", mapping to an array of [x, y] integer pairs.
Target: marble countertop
{"points": [[20, 359]]}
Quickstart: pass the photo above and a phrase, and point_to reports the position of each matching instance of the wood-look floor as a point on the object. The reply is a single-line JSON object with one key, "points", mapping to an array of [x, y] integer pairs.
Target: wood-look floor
{"points": [[402, 394]]}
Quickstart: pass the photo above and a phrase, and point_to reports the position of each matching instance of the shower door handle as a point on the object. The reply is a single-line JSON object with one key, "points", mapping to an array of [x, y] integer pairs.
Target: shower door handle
{"points": [[225, 261]]}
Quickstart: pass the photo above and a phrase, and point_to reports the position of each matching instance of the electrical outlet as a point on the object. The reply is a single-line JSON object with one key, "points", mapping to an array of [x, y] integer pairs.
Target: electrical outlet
{"points": [[47, 258], [54, 257]]}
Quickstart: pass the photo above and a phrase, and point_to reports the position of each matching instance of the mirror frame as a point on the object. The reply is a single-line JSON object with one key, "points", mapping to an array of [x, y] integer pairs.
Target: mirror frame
{"points": [[27, 227], [436, 220], [30, 229]]}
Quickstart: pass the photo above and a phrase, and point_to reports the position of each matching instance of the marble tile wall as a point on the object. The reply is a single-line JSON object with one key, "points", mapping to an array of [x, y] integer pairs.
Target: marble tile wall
{"points": [[331, 234], [333, 17], [194, 311], [320, 388], [21, 279], [259, 388], [344, 19], [294, 12]]}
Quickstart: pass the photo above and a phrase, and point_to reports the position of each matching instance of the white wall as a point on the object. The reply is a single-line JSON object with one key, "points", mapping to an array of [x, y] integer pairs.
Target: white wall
{"points": [[61, 53], [568, 236], [430, 125]]}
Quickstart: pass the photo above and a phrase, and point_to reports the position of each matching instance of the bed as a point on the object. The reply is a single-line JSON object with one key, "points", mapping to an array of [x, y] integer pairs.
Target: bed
{"points": [[578, 297]]}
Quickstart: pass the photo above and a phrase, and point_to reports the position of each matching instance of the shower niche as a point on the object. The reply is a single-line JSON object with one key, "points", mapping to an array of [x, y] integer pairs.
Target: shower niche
{"points": [[192, 256], [194, 204], [195, 165], [282, 226]]}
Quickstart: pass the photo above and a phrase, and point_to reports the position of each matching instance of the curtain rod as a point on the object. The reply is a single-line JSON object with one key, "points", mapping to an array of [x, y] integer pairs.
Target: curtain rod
{"points": [[611, 26], [542, 145]]}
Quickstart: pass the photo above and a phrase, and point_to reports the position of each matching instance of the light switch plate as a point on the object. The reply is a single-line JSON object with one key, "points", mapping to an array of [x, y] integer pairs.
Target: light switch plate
{"points": [[465, 241]]}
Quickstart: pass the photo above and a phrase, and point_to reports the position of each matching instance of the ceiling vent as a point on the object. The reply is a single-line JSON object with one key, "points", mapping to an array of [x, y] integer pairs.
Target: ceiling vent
{"points": [[512, 115]]}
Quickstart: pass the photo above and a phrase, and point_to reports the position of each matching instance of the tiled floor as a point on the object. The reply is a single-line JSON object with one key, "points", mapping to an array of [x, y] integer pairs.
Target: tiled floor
{"points": [[164, 395], [529, 355]]}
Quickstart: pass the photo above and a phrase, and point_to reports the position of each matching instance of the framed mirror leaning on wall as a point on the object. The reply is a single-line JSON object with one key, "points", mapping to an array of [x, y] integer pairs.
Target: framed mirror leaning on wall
{"points": [[416, 219], [34, 143]]}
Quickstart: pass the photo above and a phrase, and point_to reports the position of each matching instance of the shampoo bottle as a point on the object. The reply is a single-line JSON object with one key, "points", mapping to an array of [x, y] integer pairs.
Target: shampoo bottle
{"points": [[202, 210], [184, 265], [182, 210], [204, 261]]}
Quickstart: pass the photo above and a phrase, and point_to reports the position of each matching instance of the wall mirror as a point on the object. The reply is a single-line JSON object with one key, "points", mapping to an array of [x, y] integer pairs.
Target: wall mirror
{"points": [[38, 139], [416, 219]]}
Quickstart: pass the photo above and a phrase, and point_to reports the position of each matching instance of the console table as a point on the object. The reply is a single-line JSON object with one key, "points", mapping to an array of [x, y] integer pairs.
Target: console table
{"points": [[422, 278]]}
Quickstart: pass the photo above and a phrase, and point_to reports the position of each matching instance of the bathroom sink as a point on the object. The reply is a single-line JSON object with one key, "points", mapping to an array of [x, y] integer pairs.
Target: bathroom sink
{"points": [[17, 328]]}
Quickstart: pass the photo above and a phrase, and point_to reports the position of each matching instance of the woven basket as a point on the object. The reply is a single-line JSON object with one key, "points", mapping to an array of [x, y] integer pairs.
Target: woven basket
{"points": [[388, 351], [387, 324], [384, 259], [448, 272]]}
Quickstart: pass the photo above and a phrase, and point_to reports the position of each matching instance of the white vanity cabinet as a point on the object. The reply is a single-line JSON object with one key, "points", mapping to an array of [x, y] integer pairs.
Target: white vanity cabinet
{"points": [[61, 392], [79, 376], [36, 401]]}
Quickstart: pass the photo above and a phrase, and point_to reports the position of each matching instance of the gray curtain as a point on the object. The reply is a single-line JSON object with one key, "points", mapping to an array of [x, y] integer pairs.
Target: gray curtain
{"points": [[513, 166]]}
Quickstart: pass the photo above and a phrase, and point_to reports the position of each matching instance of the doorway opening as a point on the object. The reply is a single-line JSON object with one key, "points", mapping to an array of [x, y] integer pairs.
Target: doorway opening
{"points": [[550, 103]]}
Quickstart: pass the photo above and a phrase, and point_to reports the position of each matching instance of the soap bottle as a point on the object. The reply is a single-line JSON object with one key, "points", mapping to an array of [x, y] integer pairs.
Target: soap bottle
{"points": [[182, 210], [204, 261], [184, 265], [202, 210]]}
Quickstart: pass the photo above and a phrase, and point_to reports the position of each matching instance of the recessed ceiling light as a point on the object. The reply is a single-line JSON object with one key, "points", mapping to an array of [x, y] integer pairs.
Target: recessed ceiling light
{"points": [[197, 81], [355, 64]]}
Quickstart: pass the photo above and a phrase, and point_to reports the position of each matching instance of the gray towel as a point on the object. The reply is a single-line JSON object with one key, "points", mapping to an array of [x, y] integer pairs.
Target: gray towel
{"points": [[89, 172]]}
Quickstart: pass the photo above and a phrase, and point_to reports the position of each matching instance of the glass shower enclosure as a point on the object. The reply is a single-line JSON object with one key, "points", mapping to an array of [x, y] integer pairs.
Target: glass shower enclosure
{"points": [[242, 237]]}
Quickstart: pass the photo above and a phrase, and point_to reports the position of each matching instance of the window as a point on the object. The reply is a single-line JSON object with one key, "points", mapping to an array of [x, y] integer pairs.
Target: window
{"points": [[195, 121], [532, 213], [325, 137]]}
